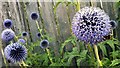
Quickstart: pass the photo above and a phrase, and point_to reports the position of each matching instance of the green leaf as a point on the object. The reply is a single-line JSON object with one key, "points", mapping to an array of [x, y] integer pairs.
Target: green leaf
{"points": [[64, 44], [115, 54], [78, 61], [46, 61], [82, 57], [115, 62], [111, 44], [102, 47], [116, 41], [83, 53], [71, 57], [56, 64]]}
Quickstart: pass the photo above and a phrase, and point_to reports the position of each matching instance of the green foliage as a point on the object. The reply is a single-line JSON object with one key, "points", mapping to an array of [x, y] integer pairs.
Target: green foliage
{"points": [[115, 62], [102, 47], [78, 53], [72, 40], [75, 54], [112, 42]]}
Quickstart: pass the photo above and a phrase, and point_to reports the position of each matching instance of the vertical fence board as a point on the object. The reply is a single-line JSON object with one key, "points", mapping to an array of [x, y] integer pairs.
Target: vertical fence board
{"points": [[48, 16], [32, 7]]}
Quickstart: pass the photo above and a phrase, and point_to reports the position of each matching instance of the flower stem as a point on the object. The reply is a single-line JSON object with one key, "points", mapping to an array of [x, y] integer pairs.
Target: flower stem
{"points": [[20, 65], [3, 57], [40, 30], [78, 5], [91, 53], [97, 56], [48, 52], [101, 4], [24, 64], [37, 25]]}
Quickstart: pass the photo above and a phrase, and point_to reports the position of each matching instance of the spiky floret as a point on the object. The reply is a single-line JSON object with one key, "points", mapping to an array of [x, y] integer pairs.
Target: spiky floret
{"points": [[15, 52]]}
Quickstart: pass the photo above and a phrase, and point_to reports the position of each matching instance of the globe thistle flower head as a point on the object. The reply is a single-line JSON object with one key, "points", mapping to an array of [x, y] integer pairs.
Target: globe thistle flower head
{"points": [[15, 52], [38, 35], [91, 24], [44, 44], [34, 16], [7, 35], [113, 24], [8, 23], [22, 41], [24, 34]]}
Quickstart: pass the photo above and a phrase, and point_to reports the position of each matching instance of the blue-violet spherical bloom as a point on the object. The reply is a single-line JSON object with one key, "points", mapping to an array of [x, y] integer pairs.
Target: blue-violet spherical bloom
{"points": [[22, 41], [38, 35], [91, 24], [34, 16], [7, 35], [44, 44], [24, 34], [8, 23], [15, 52]]}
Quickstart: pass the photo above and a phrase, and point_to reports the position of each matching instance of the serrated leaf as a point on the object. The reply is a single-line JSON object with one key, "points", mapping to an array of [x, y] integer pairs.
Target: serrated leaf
{"points": [[115, 62]]}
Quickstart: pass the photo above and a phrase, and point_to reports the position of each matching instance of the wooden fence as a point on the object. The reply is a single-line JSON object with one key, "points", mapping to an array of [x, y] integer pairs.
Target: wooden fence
{"points": [[57, 24]]}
